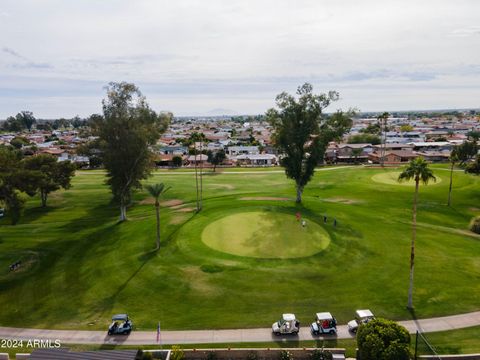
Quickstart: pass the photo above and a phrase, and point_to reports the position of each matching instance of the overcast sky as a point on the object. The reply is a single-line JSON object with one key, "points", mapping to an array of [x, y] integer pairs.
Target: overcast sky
{"points": [[211, 56]]}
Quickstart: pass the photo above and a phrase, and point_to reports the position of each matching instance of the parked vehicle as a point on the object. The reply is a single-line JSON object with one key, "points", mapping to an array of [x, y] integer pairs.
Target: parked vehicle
{"points": [[361, 317], [324, 323], [288, 324], [121, 325], [2, 213]]}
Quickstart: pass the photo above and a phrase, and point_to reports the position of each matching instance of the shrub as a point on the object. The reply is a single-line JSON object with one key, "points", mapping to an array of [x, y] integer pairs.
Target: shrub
{"points": [[382, 339], [177, 353], [147, 356], [211, 355], [320, 355], [475, 225], [286, 355]]}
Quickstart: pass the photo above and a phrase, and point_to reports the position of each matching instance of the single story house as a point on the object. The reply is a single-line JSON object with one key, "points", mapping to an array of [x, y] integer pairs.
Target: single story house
{"points": [[393, 157], [256, 159]]}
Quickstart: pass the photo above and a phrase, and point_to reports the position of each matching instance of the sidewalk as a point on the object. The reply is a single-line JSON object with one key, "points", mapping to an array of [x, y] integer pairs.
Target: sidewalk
{"points": [[221, 336]]}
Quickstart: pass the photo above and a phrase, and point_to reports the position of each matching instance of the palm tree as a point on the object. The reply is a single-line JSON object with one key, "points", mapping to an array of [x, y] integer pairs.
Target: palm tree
{"points": [[193, 139], [417, 170], [382, 119], [156, 190], [453, 160]]}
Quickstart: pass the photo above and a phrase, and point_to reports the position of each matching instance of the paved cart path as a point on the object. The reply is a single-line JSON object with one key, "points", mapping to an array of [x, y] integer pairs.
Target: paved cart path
{"points": [[220, 336]]}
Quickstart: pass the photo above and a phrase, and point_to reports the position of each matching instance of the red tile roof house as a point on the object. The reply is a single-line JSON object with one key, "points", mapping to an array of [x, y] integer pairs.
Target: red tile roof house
{"points": [[393, 157]]}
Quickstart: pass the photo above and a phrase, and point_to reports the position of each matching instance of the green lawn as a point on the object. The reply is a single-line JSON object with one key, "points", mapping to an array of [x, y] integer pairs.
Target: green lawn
{"points": [[265, 234], [80, 266]]}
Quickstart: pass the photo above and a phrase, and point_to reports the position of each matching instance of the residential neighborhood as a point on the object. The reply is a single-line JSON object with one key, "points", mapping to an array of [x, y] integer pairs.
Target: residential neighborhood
{"points": [[247, 141]]}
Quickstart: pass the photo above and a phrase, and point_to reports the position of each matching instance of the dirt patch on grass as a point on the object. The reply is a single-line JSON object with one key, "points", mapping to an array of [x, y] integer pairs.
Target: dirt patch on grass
{"points": [[186, 209], [147, 201], [222, 186], [169, 203], [343, 201], [265, 198], [474, 209], [198, 280], [177, 219]]}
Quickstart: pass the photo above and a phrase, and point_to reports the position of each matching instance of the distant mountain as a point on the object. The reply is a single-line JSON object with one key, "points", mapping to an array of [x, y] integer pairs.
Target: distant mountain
{"points": [[221, 111]]}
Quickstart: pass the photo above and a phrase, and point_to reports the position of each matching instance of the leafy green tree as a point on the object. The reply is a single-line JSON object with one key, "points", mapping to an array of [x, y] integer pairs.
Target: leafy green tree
{"points": [[466, 151], [27, 119], [417, 170], [375, 129], [126, 131], [177, 161], [364, 139], [473, 135], [92, 150], [156, 191], [356, 153], [302, 134], [53, 174], [406, 128], [19, 141], [382, 339], [14, 180], [216, 158], [474, 167], [13, 124]]}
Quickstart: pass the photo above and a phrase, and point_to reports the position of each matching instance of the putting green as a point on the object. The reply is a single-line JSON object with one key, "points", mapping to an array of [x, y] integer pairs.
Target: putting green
{"points": [[391, 178], [263, 234]]}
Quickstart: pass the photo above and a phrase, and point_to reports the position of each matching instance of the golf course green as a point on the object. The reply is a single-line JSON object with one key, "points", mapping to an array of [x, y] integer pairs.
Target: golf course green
{"points": [[263, 234], [244, 259]]}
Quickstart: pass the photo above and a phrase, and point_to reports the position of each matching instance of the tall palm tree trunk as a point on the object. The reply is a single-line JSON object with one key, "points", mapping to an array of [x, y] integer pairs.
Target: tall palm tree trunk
{"points": [[196, 175], [157, 210], [384, 141], [201, 177], [412, 250], [450, 187]]}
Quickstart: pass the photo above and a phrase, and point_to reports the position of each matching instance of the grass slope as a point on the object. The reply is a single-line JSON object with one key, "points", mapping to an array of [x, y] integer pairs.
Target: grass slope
{"points": [[81, 266]]}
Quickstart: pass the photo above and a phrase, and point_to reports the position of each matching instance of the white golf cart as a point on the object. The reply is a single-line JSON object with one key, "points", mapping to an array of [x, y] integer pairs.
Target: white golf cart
{"points": [[121, 325], [324, 323], [288, 324], [361, 317]]}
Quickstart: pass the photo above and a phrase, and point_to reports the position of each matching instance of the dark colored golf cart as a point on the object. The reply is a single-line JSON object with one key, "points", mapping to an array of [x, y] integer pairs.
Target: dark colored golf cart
{"points": [[121, 325]]}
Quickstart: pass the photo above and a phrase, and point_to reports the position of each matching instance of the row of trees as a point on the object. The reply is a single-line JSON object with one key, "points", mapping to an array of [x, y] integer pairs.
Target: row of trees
{"points": [[24, 120], [40, 174]]}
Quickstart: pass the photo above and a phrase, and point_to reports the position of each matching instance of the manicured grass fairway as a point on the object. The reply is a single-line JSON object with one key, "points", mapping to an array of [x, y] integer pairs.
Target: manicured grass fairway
{"points": [[265, 234], [81, 266]]}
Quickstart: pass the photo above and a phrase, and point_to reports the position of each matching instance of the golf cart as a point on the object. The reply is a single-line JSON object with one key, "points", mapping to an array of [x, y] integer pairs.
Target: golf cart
{"points": [[324, 323], [362, 317], [121, 324], [288, 324]]}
